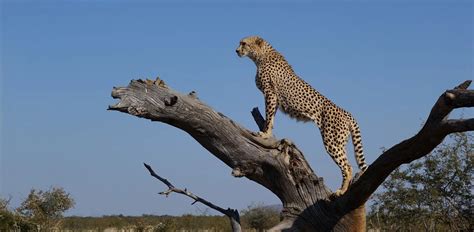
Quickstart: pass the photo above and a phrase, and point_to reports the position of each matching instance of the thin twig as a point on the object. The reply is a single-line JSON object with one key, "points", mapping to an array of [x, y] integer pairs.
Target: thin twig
{"points": [[231, 213]]}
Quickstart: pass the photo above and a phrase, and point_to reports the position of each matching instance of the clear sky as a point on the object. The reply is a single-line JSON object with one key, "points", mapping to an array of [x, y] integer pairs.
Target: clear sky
{"points": [[385, 61]]}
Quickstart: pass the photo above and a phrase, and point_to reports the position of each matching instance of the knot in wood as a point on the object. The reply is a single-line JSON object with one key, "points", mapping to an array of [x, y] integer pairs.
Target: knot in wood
{"points": [[450, 96], [171, 101], [136, 110], [236, 172], [193, 94]]}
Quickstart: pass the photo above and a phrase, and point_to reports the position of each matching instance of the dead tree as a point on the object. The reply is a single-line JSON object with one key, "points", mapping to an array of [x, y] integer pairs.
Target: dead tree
{"points": [[279, 165]]}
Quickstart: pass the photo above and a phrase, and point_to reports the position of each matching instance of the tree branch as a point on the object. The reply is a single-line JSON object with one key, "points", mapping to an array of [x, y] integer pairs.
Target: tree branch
{"points": [[436, 128], [257, 116], [459, 125], [232, 214]]}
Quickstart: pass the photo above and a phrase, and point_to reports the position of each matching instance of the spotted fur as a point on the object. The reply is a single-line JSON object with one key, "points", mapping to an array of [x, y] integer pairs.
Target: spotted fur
{"points": [[283, 89]]}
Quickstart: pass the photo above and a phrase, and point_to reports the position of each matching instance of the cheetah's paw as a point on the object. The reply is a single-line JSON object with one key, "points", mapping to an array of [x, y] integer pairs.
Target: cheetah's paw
{"points": [[336, 194], [264, 135]]}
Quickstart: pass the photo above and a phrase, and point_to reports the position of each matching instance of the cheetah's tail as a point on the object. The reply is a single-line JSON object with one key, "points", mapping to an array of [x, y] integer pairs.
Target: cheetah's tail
{"points": [[358, 148]]}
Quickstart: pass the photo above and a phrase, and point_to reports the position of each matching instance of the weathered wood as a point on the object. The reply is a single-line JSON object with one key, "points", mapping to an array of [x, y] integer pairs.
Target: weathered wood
{"points": [[279, 165], [232, 214]]}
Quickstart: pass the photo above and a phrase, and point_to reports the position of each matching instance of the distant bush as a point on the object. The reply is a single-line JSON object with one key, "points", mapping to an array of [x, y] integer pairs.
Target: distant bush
{"points": [[45, 208], [434, 193], [42, 210], [260, 217], [7, 219], [11, 220]]}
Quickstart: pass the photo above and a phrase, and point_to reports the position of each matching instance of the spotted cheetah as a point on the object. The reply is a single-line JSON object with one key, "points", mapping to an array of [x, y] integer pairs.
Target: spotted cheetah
{"points": [[283, 89]]}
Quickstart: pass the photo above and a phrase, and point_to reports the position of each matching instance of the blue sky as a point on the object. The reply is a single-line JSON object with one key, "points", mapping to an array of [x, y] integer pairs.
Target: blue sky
{"points": [[386, 62]]}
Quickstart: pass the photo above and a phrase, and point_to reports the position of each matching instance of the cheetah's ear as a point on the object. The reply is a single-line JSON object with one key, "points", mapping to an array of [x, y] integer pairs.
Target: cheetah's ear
{"points": [[259, 42]]}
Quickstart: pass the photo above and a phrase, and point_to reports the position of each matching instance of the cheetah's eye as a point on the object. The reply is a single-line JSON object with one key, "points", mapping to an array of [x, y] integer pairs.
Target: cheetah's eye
{"points": [[243, 43]]}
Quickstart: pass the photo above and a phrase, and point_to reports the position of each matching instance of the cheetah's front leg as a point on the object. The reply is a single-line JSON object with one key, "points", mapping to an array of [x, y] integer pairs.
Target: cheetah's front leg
{"points": [[271, 104]]}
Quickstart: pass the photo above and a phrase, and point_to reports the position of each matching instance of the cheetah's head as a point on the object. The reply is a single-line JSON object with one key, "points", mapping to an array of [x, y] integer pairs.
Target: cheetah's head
{"points": [[253, 47]]}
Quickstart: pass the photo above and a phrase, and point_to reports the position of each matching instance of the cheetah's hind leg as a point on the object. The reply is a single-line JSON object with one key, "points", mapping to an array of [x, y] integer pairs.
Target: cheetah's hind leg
{"points": [[335, 145]]}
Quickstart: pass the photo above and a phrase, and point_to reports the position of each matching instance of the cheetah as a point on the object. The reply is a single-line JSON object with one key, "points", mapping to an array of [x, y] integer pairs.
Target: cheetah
{"points": [[283, 89]]}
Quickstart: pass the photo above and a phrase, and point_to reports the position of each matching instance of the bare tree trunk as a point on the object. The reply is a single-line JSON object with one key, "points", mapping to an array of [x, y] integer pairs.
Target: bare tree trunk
{"points": [[279, 165]]}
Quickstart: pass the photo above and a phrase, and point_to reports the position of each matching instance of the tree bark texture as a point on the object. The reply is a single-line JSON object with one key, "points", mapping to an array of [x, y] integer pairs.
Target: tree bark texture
{"points": [[279, 165]]}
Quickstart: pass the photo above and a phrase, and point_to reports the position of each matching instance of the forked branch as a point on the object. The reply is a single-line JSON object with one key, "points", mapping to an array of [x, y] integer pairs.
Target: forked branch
{"points": [[232, 214], [436, 128]]}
